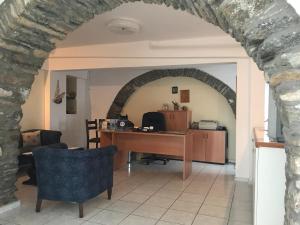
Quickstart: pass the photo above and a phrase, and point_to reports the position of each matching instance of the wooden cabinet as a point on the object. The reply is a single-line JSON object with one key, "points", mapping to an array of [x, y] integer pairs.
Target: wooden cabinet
{"points": [[199, 145], [177, 120], [209, 146]]}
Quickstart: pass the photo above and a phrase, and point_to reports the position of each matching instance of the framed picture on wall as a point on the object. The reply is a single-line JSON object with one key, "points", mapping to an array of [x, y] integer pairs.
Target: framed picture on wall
{"points": [[174, 90], [184, 96]]}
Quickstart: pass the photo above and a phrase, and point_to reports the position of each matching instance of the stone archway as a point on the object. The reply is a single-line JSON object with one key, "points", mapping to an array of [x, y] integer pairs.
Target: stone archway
{"points": [[129, 88], [268, 29]]}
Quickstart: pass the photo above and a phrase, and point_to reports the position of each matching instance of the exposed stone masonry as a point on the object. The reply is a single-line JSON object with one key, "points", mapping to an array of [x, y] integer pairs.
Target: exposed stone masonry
{"points": [[129, 88], [268, 30]]}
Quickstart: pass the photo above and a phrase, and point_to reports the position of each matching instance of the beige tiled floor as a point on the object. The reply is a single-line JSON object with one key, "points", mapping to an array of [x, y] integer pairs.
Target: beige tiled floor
{"points": [[153, 194]]}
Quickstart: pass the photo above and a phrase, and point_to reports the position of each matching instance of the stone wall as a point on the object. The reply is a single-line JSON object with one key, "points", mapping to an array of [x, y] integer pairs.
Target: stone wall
{"points": [[268, 29], [129, 88]]}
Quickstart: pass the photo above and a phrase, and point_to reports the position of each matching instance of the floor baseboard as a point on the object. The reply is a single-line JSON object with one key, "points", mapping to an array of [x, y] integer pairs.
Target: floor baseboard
{"points": [[10, 206]]}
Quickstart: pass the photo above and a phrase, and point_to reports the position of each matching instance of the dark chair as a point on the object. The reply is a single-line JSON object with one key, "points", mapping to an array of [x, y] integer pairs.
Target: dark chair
{"points": [[49, 138], [29, 160], [92, 126], [73, 175], [157, 121]]}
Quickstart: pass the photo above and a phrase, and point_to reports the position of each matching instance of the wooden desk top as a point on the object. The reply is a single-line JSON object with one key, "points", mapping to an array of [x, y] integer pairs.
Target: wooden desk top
{"points": [[262, 139], [161, 133]]}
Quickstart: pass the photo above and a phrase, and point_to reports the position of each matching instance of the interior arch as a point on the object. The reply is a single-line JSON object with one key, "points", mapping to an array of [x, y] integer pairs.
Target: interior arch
{"points": [[128, 89]]}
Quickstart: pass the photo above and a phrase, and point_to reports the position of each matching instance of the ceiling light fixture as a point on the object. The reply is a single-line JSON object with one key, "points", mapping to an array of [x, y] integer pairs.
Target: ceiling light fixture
{"points": [[124, 26]]}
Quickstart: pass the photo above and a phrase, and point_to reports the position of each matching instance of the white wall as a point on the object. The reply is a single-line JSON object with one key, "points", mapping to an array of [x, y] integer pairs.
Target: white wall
{"points": [[34, 107], [224, 72], [72, 126], [295, 4], [105, 85]]}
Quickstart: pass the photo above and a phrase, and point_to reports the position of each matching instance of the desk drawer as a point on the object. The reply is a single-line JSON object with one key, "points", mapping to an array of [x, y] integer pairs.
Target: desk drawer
{"points": [[167, 145]]}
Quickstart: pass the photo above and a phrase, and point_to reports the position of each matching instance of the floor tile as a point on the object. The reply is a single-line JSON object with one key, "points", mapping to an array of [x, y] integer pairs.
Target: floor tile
{"points": [[180, 217], [124, 207], [208, 220], [160, 201], [71, 209], [147, 189], [89, 223], [198, 188], [223, 202], [138, 220], [238, 223], [186, 206], [99, 202], [168, 193], [135, 197], [244, 216], [166, 223], [65, 220], [107, 217], [28, 216], [242, 205], [149, 211], [191, 198], [144, 196], [214, 211], [3, 222]]}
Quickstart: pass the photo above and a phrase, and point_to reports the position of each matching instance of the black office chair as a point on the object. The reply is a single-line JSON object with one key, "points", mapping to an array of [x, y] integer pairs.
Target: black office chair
{"points": [[92, 126], [157, 121]]}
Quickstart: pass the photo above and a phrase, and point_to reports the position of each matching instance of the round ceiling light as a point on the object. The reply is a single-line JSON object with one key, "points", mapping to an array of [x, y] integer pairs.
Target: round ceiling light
{"points": [[124, 26]]}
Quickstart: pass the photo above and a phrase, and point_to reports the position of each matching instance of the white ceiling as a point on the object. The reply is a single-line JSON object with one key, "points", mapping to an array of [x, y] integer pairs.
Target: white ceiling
{"points": [[158, 23]]}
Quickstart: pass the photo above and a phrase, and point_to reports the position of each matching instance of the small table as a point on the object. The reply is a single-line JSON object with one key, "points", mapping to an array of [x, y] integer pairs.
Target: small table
{"points": [[165, 143]]}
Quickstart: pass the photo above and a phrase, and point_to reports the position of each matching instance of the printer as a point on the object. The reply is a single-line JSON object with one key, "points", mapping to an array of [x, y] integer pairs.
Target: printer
{"points": [[208, 124]]}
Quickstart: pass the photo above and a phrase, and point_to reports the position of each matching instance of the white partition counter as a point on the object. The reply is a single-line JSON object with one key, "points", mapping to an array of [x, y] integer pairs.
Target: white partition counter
{"points": [[268, 180]]}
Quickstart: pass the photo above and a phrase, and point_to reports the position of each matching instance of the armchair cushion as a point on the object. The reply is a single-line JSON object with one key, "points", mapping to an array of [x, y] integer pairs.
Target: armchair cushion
{"points": [[31, 139]]}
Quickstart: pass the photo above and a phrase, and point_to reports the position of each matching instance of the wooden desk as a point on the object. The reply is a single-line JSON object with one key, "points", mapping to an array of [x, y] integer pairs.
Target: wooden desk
{"points": [[173, 143]]}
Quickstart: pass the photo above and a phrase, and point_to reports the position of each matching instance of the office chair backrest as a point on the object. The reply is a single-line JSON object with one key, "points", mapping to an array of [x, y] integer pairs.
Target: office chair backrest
{"points": [[155, 119]]}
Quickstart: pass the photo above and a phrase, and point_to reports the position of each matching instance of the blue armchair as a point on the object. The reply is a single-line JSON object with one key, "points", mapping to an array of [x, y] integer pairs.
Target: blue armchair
{"points": [[73, 175]]}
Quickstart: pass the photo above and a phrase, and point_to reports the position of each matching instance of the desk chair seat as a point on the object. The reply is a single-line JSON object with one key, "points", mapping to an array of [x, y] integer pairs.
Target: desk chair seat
{"points": [[157, 120], [92, 126]]}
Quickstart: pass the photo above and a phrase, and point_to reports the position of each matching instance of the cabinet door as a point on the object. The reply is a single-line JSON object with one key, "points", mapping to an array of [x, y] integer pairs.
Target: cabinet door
{"points": [[182, 120], [199, 145], [215, 147], [169, 120]]}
